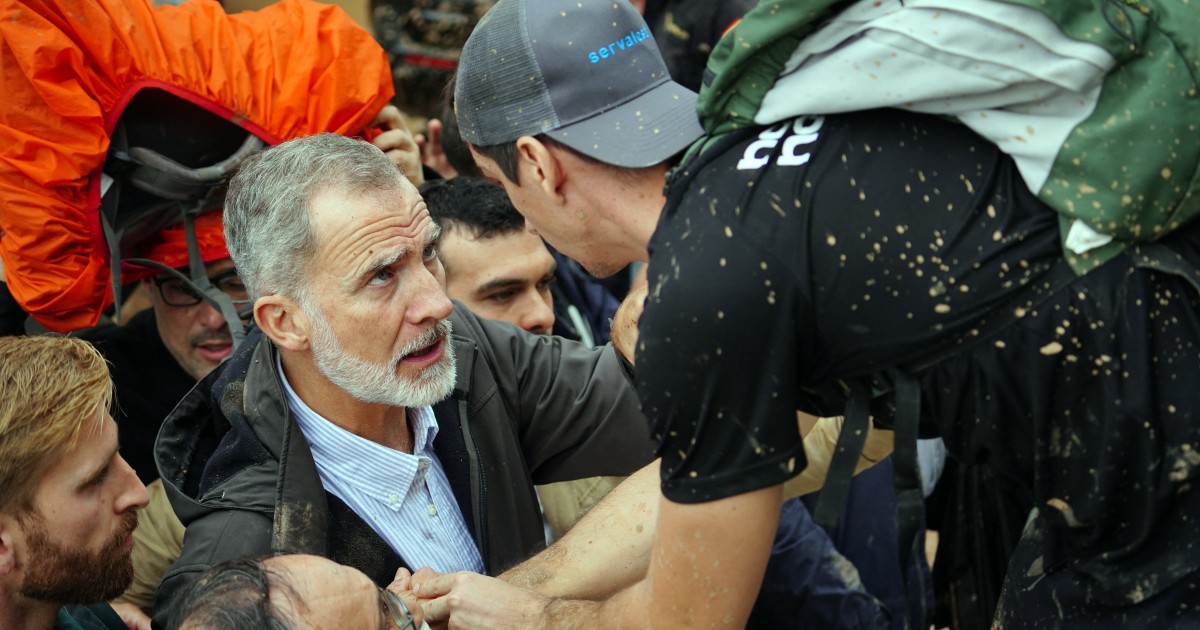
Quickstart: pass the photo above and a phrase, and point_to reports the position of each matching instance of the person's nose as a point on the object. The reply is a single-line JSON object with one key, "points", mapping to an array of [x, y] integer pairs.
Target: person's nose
{"points": [[537, 315], [429, 301], [209, 316], [133, 495]]}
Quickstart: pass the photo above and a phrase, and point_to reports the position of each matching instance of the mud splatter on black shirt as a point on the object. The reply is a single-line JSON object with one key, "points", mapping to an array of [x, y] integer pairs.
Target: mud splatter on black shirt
{"points": [[829, 245]]}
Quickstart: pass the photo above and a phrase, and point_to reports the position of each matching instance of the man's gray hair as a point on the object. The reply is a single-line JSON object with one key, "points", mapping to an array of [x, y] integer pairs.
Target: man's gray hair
{"points": [[268, 221]]}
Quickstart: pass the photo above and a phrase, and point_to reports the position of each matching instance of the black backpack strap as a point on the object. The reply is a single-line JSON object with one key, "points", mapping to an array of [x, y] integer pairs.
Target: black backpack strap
{"points": [[910, 498], [845, 456], [234, 313]]}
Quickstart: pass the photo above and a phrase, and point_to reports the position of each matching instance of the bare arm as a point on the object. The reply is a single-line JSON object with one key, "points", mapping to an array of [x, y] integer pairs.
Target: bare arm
{"points": [[610, 547], [605, 551], [705, 570]]}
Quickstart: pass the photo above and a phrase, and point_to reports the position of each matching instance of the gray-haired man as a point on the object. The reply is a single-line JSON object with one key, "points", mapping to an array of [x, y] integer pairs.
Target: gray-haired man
{"points": [[372, 421]]}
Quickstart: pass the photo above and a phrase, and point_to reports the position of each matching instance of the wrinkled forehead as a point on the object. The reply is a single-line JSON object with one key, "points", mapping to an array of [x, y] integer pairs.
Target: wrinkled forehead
{"points": [[340, 212]]}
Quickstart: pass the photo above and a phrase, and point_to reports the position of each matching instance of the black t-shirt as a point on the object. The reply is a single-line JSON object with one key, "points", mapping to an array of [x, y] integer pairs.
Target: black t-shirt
{"points": [[831, 246]]}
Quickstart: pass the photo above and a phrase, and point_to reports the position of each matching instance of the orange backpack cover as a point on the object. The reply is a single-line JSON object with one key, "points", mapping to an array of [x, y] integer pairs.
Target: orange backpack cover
{"points": [[68, 68]]}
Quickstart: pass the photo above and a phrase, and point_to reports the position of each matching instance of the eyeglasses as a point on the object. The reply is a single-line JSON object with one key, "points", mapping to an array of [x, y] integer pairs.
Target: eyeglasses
{"points": [[391, 606], [176, 292]]}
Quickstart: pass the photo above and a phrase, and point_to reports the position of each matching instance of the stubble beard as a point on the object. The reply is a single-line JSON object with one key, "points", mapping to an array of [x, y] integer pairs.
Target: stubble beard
{"points": [[62, 574], [380, 384]]}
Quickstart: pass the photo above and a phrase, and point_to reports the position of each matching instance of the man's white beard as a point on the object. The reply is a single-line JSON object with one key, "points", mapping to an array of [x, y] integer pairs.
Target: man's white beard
{"points": [[374, 383]]}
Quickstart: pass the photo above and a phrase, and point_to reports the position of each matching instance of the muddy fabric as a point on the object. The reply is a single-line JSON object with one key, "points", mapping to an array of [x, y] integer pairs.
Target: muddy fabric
{"points": [[1145, 103], [790, 256]]}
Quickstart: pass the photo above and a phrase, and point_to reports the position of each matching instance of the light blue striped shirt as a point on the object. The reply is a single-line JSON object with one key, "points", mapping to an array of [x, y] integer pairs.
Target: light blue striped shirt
{"points": [[405, 498]]}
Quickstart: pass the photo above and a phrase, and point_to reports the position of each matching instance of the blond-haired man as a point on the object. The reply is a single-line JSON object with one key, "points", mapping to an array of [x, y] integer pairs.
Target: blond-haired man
{"points": [[68, 501]]}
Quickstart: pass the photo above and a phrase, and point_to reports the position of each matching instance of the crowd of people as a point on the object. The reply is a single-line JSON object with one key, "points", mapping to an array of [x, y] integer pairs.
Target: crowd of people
{"points": [[854, 370]]}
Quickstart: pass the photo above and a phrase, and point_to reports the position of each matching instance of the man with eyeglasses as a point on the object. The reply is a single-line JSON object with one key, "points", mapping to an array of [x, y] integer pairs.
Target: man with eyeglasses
{"points": [[160, 353]]}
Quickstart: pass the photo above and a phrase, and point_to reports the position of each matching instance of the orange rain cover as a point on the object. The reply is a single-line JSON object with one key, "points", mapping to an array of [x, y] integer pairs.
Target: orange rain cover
{"points": [[68, 68]]}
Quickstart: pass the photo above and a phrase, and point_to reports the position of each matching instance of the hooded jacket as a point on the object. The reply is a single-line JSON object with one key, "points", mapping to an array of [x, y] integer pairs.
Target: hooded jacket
{"points": [[525, 409]]}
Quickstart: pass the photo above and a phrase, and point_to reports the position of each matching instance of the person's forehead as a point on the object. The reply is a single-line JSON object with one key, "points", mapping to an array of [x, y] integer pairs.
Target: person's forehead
{"points": [[337, 206], [499, 254], [96, 443], [368, 219], [218, 266]]}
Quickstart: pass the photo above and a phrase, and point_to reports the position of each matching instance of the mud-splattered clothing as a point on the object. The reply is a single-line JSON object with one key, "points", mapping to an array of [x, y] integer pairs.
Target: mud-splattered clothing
{"points": [[792, 255], [525, 409]]}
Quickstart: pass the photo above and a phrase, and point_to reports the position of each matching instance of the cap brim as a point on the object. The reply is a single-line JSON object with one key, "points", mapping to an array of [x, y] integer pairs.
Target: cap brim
{"points": [[644, 131]]}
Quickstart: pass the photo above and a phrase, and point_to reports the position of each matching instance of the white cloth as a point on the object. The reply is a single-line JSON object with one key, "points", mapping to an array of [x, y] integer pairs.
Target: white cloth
{"points": [[1006, 71]]}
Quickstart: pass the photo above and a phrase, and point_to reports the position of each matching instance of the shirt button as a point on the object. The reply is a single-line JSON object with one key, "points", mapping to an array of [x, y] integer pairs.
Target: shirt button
{"points": [[432, 509], [394, 499]]}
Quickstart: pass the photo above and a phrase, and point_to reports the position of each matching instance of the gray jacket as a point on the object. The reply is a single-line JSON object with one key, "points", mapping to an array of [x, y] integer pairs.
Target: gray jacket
{"points": [[525, 409]]}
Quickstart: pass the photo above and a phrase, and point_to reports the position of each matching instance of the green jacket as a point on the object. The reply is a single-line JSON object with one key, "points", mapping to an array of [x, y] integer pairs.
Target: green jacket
{"points": [[1129, 169]]}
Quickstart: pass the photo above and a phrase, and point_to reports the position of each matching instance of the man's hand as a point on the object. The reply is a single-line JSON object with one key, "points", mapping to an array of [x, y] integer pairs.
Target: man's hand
{"points": [[433, 153], [469, 600], [133, 616], [402, 586], [625, 321], [398, 144]]}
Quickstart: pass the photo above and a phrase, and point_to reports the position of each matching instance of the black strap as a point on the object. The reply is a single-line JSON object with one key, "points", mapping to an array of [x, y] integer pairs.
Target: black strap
{"points": [[234, 314], [845, 456], [910, 500]]}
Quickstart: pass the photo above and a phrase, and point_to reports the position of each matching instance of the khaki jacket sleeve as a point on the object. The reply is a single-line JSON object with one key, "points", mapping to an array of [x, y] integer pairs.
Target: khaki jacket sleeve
{"points": [[819, 446]]}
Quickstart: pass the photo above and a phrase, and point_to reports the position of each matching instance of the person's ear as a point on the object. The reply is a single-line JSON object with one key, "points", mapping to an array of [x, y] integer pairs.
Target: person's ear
{"points": [[539, 165], [8, 538], [282, 320]]}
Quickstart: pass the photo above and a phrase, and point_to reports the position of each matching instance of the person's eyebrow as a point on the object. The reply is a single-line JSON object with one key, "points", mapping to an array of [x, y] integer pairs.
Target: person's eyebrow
{"points": [[387, 260], [383, 262], [101, 473], [497, 284], [435, 235]]}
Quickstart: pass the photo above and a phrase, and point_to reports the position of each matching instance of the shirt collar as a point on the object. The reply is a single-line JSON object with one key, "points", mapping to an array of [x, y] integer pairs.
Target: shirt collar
{"points": [[363, 462]]}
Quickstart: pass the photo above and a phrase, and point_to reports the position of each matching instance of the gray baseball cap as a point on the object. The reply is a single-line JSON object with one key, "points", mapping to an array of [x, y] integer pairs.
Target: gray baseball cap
{"points": [[584, 72]]}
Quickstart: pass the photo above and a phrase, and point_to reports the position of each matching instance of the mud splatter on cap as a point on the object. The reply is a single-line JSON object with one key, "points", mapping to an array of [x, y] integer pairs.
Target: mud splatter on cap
{"points": [[584, 72]]}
